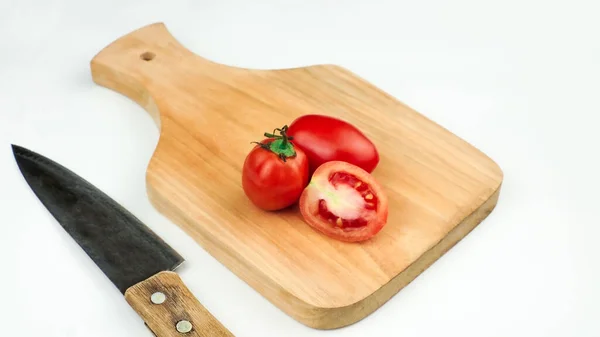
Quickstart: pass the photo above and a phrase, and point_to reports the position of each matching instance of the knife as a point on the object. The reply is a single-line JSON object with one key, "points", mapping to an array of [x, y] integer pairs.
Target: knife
{"points": [[138, 262]]}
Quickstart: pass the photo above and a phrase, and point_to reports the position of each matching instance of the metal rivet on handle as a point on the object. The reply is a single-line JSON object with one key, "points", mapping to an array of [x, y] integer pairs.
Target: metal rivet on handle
{"points": [[158, 298], [184, 326]]}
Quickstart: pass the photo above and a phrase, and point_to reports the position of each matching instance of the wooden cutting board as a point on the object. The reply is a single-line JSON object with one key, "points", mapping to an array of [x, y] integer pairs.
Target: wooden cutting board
{"points": [[439, 187]]}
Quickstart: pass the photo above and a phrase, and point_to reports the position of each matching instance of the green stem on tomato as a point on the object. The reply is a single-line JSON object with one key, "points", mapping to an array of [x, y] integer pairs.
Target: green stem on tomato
{"points": [[281, 146]]}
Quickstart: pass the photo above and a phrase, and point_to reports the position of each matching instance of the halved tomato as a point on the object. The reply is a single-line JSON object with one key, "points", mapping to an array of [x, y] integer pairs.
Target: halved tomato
{"points": [[344, 202]]}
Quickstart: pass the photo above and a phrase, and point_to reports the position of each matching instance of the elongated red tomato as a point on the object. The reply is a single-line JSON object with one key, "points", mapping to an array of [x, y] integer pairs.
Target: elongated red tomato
{"points": [[274, 173], [344, 202], [325, 138]]}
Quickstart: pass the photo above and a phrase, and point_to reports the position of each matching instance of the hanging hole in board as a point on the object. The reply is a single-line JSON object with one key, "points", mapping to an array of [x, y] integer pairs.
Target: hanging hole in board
{"points": [[147, 56]]}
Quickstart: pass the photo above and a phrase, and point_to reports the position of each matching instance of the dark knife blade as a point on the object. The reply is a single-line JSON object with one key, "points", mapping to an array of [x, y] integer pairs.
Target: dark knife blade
{"points": [[134, 258], [125, 249]]}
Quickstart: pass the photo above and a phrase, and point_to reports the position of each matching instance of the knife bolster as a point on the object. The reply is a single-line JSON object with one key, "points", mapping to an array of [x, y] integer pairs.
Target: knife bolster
{"points": [[165, 315]]}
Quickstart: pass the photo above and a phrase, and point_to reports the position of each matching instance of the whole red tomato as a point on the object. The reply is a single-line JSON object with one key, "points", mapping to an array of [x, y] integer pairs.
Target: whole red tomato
{"points": [[325, 138], [275, 172], [344, 202]]}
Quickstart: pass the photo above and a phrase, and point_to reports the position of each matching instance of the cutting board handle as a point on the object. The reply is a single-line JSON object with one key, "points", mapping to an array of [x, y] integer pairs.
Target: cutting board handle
{"points": [[131, 64]]}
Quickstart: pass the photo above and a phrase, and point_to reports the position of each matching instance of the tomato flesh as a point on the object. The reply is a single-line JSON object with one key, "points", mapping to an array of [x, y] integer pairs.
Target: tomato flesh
{"points": [[344, 202], [370, 200]]}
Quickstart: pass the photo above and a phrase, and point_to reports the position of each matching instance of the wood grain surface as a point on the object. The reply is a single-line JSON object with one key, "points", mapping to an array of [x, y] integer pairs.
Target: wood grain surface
{"points": [[439, 187], [179, 305]]}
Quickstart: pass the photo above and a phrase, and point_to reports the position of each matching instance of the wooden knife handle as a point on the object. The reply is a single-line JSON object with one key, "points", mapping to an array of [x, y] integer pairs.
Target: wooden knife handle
{"points": [[173, 311]]}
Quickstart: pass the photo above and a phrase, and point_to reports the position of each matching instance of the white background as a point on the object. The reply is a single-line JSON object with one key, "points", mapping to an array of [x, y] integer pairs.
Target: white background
{"points": [[519, 79]]}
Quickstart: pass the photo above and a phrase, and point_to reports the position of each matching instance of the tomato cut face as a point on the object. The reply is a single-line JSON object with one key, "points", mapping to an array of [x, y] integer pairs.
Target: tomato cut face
{"points": [[352, 205], [344, 202]]}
